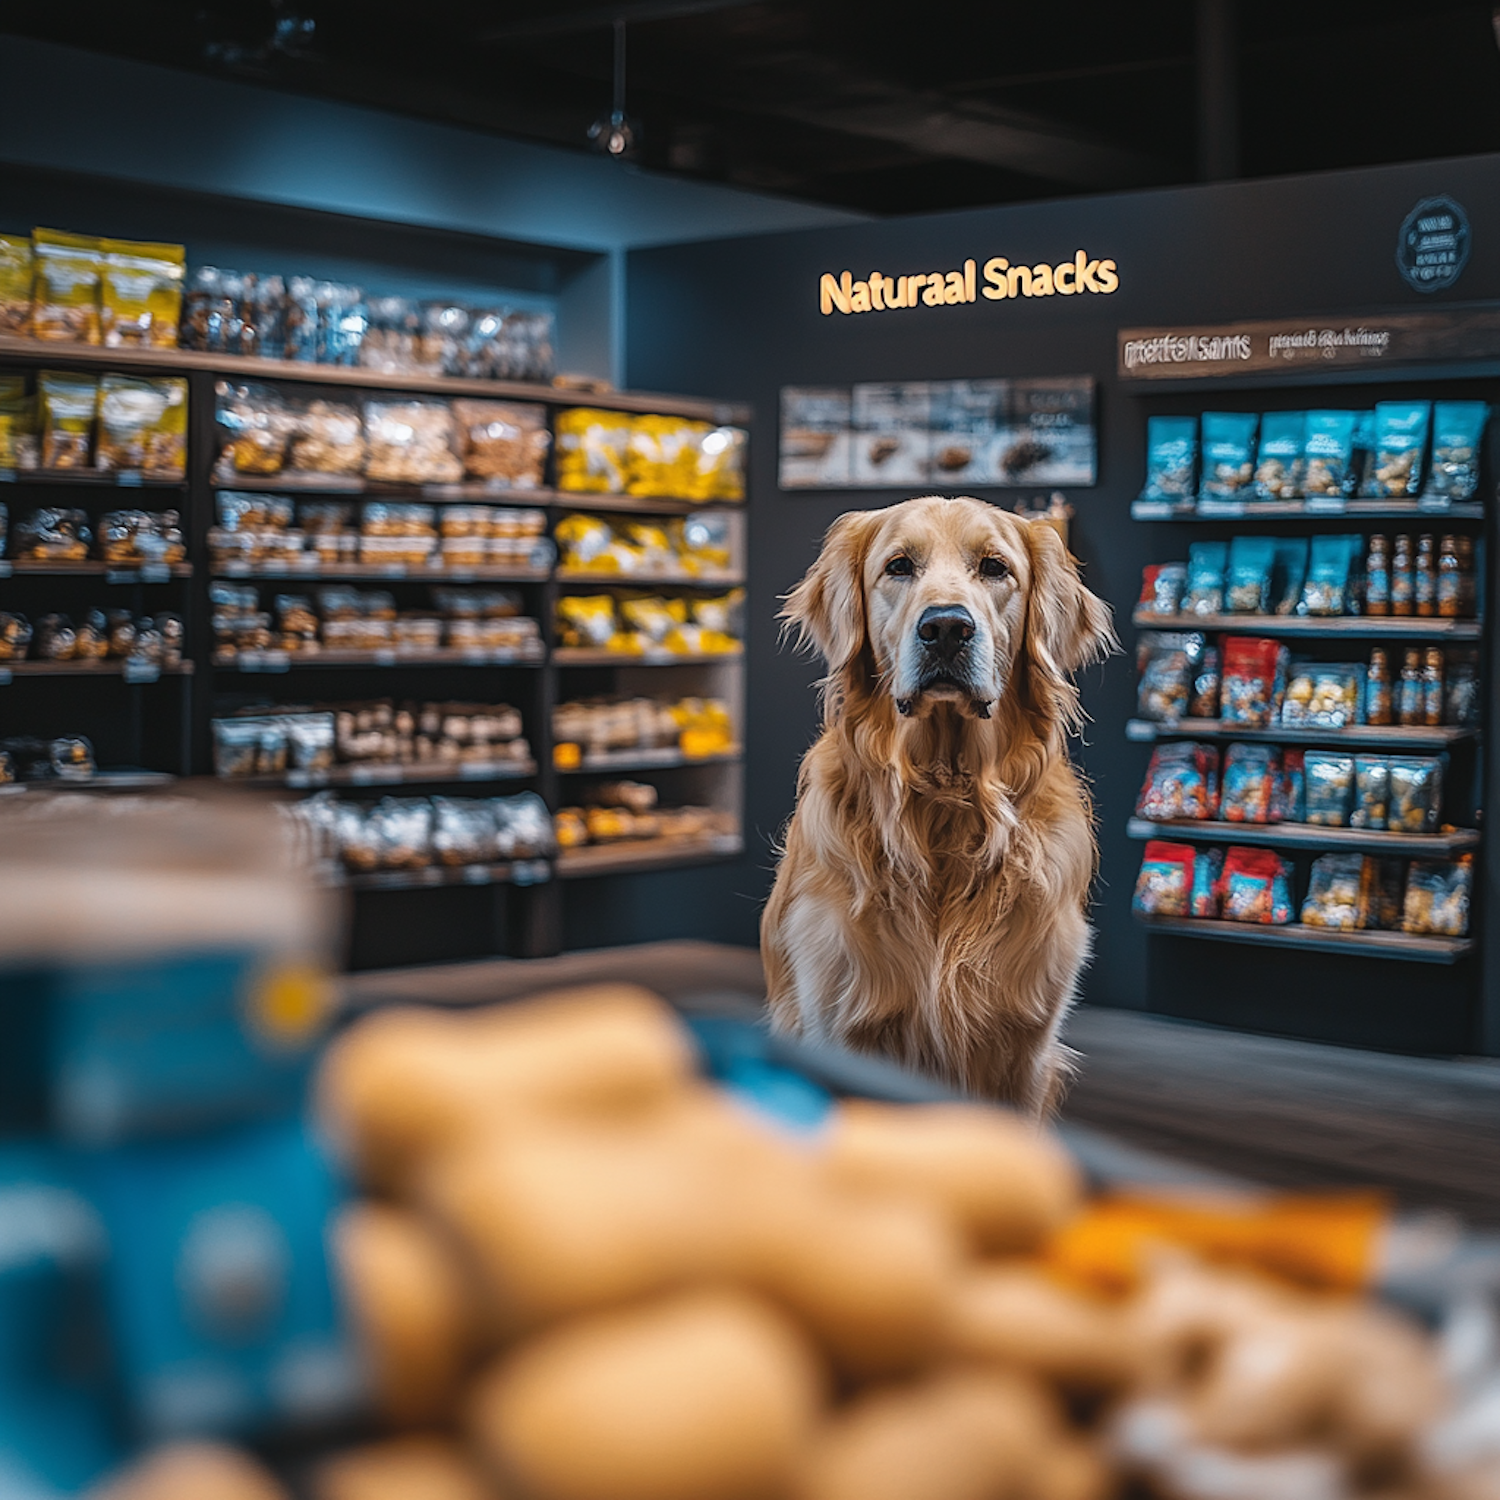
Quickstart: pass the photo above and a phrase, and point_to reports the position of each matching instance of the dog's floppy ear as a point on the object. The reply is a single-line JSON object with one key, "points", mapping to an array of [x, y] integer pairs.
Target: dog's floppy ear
{"points": [[1067, 627], [827, 609]]}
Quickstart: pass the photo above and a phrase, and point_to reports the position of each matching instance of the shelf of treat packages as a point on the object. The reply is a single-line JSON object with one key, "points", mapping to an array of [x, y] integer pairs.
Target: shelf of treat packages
{"points": [[315, 569], [301, 482], [1308, 836], [1306, 510], [728, 579], [110, 572], [1351, 627], [305, 372], [1400, 945], [396, 775], [595, 656], [507, 872], [629, 856], [126, 667], [119, 479], [665, 758], [1387, 736], [286, 661]]}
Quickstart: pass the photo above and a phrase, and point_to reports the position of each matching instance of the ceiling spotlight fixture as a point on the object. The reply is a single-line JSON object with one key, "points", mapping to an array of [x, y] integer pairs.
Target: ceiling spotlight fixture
{"points": [[616, 135]]}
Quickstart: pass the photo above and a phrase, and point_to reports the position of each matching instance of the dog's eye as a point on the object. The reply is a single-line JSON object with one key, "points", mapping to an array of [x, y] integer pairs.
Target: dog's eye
{"points": [[900, 567], [992, 567]]}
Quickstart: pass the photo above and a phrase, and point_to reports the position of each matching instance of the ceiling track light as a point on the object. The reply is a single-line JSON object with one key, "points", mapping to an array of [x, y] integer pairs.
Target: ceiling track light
{"points": [[616, 135]]}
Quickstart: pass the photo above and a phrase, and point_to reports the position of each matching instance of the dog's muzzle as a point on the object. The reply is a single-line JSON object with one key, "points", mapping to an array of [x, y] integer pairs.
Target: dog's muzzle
{"points": [[944, 635], [944, 631]]}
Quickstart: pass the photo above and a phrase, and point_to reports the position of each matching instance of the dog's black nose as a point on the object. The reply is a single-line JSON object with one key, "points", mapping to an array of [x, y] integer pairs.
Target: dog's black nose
{"points": [[945, 629]]}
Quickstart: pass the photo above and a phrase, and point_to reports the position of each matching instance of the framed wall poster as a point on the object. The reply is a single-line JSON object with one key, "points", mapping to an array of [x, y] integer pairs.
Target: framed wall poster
{"points": [[816, 434], [948, 433]]}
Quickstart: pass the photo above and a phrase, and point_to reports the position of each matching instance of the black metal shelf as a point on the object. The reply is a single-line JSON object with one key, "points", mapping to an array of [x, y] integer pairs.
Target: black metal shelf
{"points": [[398, 775], [378, 573], [287, 661], [1304, 510], [1333, 627], [666, 759], [1385, 945], [634, 856], [1307, 836], [182, 361], [1380, 736]]}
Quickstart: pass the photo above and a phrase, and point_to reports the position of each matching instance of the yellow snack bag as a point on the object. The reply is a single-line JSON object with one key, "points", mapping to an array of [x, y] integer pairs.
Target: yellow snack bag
{"points": [[140, 294], [19, 448], [663, 455], [719, 471], [585, 620], [16, 273], [586, 542], [591, 450], [69, 404], [653, 617], [65, 287], [143, 425], [722, 614]]}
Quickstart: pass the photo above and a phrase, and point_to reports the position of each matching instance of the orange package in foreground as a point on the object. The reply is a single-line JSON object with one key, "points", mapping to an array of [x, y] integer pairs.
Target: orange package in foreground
{"points": [[1320, 1240]]}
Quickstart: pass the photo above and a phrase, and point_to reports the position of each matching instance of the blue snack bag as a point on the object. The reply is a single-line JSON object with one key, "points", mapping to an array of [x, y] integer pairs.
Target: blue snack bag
{"points": [[220, 1296], [1228, 454], [56, 1426], [1288, 572], [1328, 452], [1457, 433], [1205, 578], [1247, 584], [1330, 571], [1400, 444], [1203, 900], [1279, 456], [1361, 459], [1171, 457]]}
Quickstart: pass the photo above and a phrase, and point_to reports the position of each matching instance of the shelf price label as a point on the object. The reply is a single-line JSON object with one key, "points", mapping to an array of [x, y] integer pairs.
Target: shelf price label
{"points": [[530, 872], [138, 670], [5, 570], [265, 661], [6, 676], [1326, 505]]}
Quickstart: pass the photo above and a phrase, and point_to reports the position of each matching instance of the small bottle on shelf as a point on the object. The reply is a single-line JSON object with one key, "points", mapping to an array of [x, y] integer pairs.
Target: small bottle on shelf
{"points": [[1378, 688], [1449, 579], [1409, 694], [1378, 577], [1467, 586], [1424, 577], [1432, 688], [1401, 579]]}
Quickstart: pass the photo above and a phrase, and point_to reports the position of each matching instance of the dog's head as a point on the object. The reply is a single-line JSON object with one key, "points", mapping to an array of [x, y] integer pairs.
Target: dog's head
{"points": [[938, 602]]}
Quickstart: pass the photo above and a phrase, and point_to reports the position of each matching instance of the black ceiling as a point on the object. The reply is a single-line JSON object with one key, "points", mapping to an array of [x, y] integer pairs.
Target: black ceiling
{"points": [[890, 109]]}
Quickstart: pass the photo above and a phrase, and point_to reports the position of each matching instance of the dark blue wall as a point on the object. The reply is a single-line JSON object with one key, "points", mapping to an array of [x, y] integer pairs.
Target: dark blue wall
{"points": [[739, 319]]}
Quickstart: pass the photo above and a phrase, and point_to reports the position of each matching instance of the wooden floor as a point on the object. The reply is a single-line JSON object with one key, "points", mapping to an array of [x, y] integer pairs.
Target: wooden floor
{"points": [[1280, 1112]]}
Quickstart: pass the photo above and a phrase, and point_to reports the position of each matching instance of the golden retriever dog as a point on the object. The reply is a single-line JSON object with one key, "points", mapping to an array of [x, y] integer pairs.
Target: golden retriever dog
{"points": [[930, 901]]}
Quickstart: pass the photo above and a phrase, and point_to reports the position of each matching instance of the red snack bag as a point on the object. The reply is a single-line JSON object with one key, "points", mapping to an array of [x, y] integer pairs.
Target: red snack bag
{"points": [[1182, 781], [1254, 681], [1251, 787], [1255, 887], [1165, 884]]}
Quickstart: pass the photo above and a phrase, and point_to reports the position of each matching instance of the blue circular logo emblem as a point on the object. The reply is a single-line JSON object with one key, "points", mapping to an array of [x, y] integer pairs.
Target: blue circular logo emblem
{"points": [[1434, 244]]}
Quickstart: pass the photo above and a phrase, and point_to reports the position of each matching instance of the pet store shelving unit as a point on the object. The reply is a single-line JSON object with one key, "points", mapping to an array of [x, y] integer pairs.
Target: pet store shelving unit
{"points": [[166, 724], [1464, 746]]}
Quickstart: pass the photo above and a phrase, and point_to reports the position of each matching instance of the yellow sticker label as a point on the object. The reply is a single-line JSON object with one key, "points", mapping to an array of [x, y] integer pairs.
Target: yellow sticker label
{"points": [[290, 1004]]}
